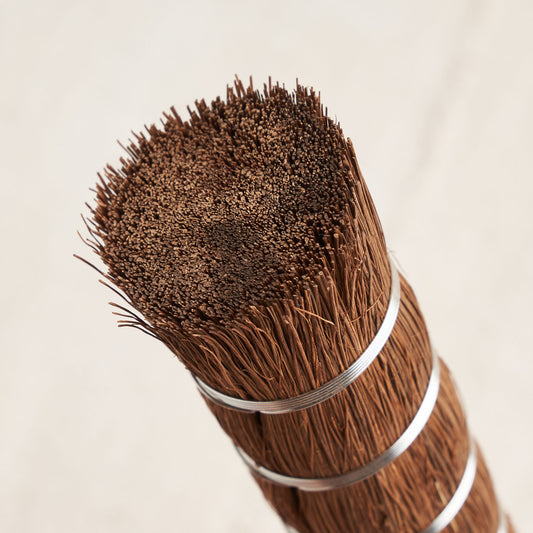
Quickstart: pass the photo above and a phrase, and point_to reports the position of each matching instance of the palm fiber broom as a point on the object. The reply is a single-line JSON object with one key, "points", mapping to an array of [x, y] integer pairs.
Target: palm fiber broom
{"points": [[246, 241]]}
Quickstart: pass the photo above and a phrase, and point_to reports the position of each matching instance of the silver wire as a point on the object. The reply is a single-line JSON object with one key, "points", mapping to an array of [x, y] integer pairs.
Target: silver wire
{"points": [[328, 390]]}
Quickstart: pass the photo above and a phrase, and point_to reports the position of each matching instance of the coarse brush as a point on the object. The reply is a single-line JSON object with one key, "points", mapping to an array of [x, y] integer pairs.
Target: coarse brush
{"points": [[245, 239]]}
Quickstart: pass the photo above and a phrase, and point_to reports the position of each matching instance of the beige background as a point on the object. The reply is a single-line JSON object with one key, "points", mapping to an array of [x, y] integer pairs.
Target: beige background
{"points": [[100, 428]]}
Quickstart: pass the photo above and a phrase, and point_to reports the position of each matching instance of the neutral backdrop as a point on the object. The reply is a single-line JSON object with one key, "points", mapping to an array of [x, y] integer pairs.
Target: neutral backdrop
{"points": [[101, 429]]}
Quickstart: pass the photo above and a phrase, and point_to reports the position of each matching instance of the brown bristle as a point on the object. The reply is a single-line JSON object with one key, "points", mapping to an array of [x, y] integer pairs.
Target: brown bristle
{"points": [[226, 210], [248, 242]]}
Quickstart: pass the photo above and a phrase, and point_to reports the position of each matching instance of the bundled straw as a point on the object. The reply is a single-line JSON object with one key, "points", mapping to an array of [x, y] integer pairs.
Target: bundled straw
{"points": [[248, 243]]}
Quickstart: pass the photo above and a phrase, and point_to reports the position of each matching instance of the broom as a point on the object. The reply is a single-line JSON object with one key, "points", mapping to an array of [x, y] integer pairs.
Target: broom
{"points": [[245, 240]]}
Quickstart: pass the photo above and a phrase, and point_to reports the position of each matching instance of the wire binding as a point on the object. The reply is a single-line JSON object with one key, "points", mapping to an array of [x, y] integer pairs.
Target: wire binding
{"points": [[328, 390], [457, 501], [460, 496], [373, 467], [502, 525], [332, 388]]}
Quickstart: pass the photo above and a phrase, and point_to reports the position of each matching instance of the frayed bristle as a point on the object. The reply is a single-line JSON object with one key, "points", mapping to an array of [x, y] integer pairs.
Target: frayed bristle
{"points": [[227, 209]]}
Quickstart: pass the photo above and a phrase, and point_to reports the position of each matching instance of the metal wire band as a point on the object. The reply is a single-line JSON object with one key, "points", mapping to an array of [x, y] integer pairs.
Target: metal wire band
{"points": [[460, 496], [363, 472], [328, 390], [502, 526], [457, 500]]}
